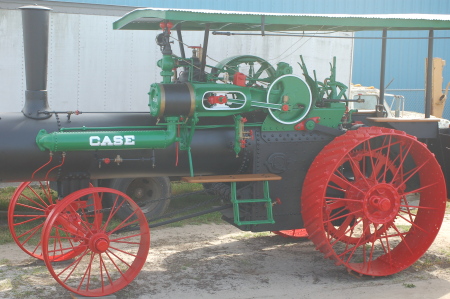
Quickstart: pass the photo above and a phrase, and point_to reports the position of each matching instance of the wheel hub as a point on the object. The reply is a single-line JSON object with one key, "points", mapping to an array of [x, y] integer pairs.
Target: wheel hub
{"points": [[138, 193], [99, 243], [381, 203]]}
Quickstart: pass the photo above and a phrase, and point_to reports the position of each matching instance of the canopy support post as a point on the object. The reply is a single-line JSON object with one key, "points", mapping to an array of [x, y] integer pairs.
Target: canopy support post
{"points": [[428, 86], [263, 24], [380, 106], [180, 41], [205, 50]]}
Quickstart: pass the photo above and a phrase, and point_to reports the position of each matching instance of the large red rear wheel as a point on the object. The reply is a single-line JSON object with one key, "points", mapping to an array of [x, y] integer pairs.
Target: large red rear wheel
{"points": [[113, 250], [374, 200], [28, 209]]}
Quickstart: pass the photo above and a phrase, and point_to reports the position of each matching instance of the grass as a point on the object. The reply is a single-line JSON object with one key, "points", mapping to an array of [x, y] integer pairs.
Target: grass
{"points": [[184, 202], [5, 197], [409, 285]]}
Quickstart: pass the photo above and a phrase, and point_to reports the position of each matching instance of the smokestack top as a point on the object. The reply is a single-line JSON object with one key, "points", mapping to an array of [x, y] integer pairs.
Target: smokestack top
{"points": [[35, 7]]}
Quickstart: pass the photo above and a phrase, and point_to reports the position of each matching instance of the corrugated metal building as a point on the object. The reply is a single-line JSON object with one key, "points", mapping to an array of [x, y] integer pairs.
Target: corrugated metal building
{"points": [[406, 57], [92, 67]]}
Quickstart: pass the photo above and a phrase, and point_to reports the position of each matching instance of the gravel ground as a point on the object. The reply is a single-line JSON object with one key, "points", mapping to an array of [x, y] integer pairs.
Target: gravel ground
{"points": [[219, 261]]}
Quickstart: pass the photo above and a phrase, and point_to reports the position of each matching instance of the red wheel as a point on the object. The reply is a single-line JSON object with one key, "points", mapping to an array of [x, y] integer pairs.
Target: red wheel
{"points": [[27, 212], [292, 233], [113, 250], [373, 200]]}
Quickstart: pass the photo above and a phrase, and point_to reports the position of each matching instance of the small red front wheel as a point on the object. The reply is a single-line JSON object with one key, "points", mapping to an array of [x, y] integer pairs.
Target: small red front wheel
{"points": [[113, 251]]}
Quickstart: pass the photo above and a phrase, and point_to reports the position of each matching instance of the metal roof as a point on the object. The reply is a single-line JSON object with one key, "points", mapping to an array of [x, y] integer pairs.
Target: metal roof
{"points": [[195, 19]]}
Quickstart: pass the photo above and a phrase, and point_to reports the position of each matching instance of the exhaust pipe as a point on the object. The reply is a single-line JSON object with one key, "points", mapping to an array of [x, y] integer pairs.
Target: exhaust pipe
{"points": [[35, 21]]}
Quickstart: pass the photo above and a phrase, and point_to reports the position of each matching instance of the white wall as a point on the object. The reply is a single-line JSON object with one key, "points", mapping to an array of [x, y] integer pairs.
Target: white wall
{"points": [[95, 68]]}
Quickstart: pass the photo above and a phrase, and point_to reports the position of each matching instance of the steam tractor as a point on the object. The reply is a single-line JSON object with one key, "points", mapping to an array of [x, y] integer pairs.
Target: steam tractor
{"points": [[284, 152]]}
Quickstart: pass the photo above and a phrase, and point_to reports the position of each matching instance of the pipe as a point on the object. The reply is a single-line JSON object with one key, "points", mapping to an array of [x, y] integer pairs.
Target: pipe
{"points": [[107, 140], [35, 20]]}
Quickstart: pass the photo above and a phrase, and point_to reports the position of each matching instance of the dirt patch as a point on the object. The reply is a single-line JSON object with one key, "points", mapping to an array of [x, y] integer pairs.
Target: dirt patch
{"points": [[219, 261]]}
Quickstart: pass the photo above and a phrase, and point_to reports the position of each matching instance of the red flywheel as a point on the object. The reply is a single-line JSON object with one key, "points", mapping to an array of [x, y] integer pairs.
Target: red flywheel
{"points": [[373, 200]]}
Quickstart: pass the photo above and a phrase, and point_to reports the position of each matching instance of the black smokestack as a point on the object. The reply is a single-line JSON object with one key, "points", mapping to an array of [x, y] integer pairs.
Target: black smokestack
{"points": [[35, 20]]}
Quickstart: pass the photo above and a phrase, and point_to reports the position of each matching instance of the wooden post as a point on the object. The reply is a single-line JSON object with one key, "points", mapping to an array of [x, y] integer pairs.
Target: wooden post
{"points": [[437, 97]]}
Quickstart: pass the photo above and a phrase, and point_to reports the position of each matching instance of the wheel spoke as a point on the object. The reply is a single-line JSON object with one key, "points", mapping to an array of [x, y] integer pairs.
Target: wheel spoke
{"points": [[39, 217], [72, 266], [87, 273], [46, 193], [39, 207], [357, 170], [124, 224], [340, 181], [338, 199], [342, 216], [404, 153], [389, 145], [418, 190], [114, 210], [127, 237], [419, 207], [413, 224], [31, 233]]}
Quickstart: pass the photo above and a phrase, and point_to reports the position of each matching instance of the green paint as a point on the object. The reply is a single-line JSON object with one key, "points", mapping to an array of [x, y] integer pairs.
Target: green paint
{"points": [[167, 63], [148, 19], [107, 140], [266, 200], [330, 116]]}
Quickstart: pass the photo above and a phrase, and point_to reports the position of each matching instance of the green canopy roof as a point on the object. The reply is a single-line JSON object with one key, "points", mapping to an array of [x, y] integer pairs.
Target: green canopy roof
{"points": [[149, 19]]}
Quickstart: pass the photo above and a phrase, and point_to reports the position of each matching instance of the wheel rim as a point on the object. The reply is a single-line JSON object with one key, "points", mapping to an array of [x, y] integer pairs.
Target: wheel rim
{"points": [[27, 212], [358, 204], [109, 259], [292, 233]]}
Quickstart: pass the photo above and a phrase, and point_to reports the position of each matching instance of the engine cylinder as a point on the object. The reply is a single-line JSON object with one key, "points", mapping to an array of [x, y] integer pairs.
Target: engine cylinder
{"points": [[171, 100]]}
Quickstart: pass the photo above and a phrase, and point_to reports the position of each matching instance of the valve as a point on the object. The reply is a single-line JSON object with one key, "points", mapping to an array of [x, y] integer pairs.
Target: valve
{"points": [[276, 202], [197, 51], [166, 25], [307, 124]]}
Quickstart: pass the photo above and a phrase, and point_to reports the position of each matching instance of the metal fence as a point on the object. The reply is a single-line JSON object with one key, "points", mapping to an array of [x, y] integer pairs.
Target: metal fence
{"points": [[415, 100]]}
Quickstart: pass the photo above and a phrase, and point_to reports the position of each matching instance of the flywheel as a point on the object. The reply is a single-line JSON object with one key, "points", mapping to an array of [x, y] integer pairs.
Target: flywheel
{"points": [[293, 96]]}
